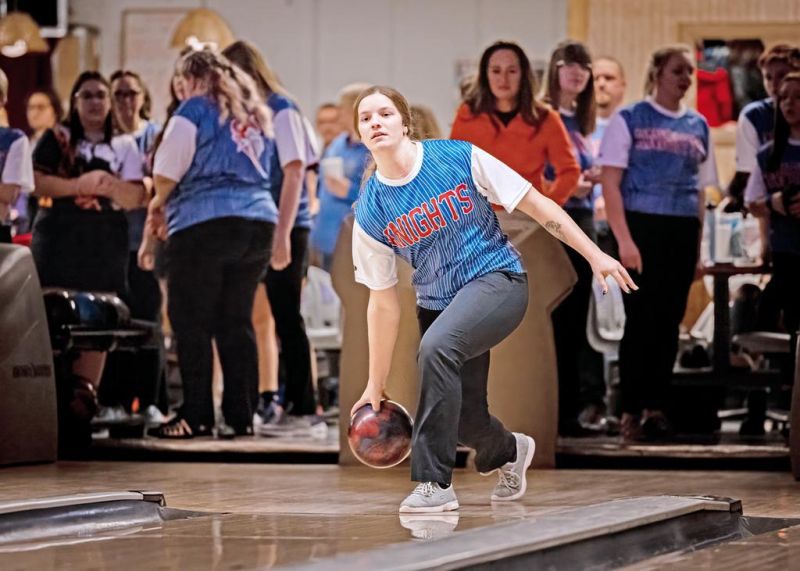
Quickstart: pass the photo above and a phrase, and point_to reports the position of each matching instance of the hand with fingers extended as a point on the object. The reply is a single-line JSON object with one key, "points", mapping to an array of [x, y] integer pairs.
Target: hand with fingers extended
{"points": [[629, 255], [373, 395], [604, 266]]}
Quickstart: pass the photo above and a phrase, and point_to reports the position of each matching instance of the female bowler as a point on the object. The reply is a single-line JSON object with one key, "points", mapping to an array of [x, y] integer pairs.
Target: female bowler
{"points": [[429, 202]]}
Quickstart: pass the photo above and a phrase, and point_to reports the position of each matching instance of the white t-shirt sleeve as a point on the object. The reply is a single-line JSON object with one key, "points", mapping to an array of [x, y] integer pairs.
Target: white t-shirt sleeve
{"points": [[616, 144], [746, 145], [176, 151], [19, 165], [290, 138], [374, 263], [755, 189], [130, 167], [707, 170], [498, 182]]}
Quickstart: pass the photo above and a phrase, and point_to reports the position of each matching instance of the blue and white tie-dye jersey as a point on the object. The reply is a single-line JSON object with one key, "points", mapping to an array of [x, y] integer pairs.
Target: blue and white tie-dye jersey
{"points": [[294, 141], [222, 168], [784, 231], [666, 156], [439, 219], [753, 129]]}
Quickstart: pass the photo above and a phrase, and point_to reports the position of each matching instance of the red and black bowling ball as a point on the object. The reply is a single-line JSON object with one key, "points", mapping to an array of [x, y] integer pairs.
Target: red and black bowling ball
{"points": [[380, 439]]}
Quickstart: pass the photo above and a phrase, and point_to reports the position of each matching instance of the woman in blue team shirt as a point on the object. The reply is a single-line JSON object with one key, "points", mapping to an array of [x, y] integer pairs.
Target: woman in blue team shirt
{"points": [[773, 191], [570, 89], [429, 202], [657, 159], [297, 151], [212, 198], [338, 191]]}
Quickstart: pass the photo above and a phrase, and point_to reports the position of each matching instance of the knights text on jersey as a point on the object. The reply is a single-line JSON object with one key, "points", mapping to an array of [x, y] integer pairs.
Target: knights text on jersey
{"points": [[440, 220]]}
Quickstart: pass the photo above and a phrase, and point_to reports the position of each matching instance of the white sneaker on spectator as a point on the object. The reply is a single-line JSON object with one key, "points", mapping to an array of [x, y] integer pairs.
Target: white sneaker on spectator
{"points": [[305, 426], [429, 497], [153, 416], [512, 481], [108, 414]]}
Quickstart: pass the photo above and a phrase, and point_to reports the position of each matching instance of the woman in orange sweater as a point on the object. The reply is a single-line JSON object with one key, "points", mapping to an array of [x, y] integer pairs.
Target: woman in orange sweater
{"points": [[501, 115]]}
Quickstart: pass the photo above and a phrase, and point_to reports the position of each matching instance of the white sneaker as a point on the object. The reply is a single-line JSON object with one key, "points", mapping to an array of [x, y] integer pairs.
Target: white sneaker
{"points": [[429, 497], [430, 526], [307, 426], [153, 416], [110, 414], [512, 481]]}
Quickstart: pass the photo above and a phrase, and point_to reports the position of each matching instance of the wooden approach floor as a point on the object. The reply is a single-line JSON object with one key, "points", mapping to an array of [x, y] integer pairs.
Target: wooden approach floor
{"points": [[266, 516]]}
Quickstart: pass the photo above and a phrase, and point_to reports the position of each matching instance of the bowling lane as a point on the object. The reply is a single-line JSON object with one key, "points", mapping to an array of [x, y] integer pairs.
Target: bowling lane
{"points": [[267, 515]]}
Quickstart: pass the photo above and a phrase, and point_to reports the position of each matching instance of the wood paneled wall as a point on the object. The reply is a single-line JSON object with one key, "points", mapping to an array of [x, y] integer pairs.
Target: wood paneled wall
{"points": [[630, 30]]}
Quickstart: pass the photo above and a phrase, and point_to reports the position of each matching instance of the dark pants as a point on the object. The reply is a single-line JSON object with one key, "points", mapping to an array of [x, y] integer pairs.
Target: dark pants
{"points": [[580, 368], [283, 290], [453, 364], [144, 297], [668, 246], [786, 284], [784, 296], [214, 268]]}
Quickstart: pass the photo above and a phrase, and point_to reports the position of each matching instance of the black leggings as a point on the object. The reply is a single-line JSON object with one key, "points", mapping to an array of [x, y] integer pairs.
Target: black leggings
{"points": [[283, 290], [580, 368], [214, 268], [668, 246]]}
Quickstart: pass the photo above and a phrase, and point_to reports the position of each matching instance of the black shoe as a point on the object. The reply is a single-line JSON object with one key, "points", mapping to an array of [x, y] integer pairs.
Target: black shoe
{"points": [[179, 429], [656, 428]]}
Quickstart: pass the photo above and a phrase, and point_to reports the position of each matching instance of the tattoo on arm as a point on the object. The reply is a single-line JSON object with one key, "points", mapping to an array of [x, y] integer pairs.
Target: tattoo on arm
{"points": [[555, 229]]}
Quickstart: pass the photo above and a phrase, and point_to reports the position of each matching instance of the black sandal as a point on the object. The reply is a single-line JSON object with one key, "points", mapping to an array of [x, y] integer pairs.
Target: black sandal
{"points": [[178, 429]]}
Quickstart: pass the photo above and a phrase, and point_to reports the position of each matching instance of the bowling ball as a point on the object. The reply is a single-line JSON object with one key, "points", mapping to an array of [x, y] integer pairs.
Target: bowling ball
{"points": [[61, 309], [92, 311], [116, 311], [380, 439]]}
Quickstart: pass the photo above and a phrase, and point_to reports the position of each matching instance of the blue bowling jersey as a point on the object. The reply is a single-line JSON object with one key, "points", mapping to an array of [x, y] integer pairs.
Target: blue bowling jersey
{"points": [[294, 141], [753, 129], [784, 231], [229, 174], [662, 160], [333, 209], [583, 152], [762, 115], [439, 219]]}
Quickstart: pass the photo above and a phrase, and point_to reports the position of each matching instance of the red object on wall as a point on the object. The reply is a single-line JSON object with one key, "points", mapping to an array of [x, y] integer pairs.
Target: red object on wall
{"points": [[714, 98]]}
